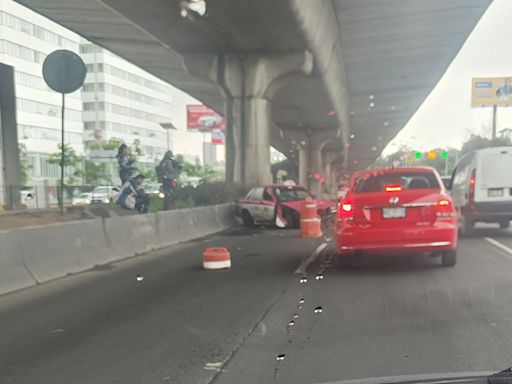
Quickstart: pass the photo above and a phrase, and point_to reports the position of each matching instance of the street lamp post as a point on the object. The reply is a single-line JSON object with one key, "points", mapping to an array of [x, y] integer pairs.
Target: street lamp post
{"points": [[168, 126]]}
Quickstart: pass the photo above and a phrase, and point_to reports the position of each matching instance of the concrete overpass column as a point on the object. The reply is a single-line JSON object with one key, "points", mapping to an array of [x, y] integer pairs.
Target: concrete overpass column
{"points": [[316, 166], [263, 76], [248, 84], [256, 150], [304, 167]]}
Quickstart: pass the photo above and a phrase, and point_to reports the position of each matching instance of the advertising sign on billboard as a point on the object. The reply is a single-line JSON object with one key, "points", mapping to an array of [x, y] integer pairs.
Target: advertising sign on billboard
{"points": [[202, 118], [489, 91], [218, 137]]}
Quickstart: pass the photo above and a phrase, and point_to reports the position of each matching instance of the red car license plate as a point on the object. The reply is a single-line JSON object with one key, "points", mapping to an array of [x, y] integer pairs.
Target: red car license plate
{"points": [[393, 213]]}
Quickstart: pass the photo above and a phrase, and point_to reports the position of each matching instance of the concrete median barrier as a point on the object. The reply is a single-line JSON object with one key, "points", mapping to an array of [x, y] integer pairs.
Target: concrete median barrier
{"points": [[205, 221], [38, 254], [174, 227], [131, 235], [226, 215], [13, 274], [55, 250]]}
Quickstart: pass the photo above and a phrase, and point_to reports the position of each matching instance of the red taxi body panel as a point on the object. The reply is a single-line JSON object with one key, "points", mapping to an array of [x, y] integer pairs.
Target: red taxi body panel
{"points": [[395, 219], [262, 202]]}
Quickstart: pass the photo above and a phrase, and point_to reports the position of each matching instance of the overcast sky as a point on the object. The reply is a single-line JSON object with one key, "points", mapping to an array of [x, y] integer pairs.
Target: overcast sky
{"points": [[446, 117]]}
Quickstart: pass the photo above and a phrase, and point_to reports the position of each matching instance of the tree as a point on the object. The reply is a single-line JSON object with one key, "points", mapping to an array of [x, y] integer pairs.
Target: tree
{"points": [[71, 161], [135, 149], [196, 169], [24, 167], [97, 173], [111, 144], [479, 142]]}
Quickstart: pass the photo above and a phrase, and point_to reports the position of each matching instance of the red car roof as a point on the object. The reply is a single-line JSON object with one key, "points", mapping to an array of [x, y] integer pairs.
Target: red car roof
{"points": [[393, 170]]}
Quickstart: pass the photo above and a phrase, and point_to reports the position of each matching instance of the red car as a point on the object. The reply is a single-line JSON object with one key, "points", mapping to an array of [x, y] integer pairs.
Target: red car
{"points": [[278, 204], [397, 211]]}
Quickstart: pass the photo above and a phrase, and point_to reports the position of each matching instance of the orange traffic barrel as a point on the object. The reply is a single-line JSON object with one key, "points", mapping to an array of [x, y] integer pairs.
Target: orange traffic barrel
{"points": [[310, 223], [216, 258]]}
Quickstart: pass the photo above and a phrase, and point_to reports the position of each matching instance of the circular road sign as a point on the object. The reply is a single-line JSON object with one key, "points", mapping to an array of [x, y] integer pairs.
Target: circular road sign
{"points": [[64, 71]]}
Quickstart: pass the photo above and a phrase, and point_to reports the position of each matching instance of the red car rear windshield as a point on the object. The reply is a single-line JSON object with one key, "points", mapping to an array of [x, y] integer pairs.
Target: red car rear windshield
{"points": [[291, 194], [400, 181]]}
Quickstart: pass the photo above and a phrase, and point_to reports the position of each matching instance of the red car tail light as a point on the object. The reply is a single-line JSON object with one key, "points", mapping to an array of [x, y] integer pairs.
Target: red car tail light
{"points": [[445, 208], [346, 210], [393, 188], [472, 182]]}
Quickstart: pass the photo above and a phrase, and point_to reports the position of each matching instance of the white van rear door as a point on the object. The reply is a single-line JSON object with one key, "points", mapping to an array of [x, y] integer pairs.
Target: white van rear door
{"points": [[494, 176]]}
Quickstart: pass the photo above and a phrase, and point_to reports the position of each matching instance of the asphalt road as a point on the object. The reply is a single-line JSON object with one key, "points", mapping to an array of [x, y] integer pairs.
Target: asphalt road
{"points": [[178, 323]]}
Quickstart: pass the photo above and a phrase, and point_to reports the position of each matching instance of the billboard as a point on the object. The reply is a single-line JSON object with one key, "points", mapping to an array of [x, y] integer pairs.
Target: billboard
{"points": [[202, 118], [218, 137], [489, 91]]}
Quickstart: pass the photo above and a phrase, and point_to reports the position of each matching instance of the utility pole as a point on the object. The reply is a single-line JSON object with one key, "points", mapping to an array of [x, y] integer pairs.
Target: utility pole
{"points": [[494, 112]]}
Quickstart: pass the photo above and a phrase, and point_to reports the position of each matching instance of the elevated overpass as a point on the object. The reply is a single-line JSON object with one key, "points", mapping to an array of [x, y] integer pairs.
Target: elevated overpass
{"points": [[327, 82]]}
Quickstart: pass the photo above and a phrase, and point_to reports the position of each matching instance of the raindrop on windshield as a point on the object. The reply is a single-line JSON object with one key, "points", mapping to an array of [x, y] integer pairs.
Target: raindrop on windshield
{"points": [[301, 300], [372, 104], [302, 142], [318, 309], [319, 276], [393, 108], [291, 323], [140, 278], [299, 307], [374, 148], [303, 280], [295, 315], [281, 357], [371, 97], [386, 123], [352, 136]]}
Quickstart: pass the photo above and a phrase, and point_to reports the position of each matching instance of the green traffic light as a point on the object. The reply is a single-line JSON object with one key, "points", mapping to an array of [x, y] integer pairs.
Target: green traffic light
{"points": [[444, 155], [418, 155]]}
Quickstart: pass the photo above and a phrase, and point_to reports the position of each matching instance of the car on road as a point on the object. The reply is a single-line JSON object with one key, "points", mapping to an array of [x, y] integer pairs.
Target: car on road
{"points": [[82, 199], [481, 188], [278, 203], [397, 211], [27, 198], [104, 194]]}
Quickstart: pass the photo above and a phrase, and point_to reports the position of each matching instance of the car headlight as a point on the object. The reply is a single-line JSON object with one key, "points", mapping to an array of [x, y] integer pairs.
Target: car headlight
{"points": [[106, 200]]}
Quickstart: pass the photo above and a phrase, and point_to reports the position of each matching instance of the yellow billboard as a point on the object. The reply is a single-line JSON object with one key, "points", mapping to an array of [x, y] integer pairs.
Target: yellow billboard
{"points": [[488, 91]]}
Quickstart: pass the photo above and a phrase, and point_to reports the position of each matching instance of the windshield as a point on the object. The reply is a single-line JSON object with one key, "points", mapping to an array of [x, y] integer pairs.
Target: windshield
{"points": [[255, 191], [101, 190], [291, 194], [404, 181]]}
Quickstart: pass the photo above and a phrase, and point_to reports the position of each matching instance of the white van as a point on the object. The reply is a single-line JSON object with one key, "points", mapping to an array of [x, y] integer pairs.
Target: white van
{"points": [[481, 188]]}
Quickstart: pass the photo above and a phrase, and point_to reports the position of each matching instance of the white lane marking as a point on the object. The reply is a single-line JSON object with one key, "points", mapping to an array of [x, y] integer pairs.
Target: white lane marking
{"points": [[302, 267], [263, 327], [501, 246], [58, 330], [214, 366]]}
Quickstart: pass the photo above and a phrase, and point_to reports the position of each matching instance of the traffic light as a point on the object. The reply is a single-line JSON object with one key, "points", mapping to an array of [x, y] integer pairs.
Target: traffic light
{"points": [[418, 155], [444, 155], [432, 155]]}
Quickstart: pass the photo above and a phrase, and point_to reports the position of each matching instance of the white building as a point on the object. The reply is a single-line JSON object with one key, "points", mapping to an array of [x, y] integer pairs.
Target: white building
{"points": [[121, 101], [26, 38]]}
